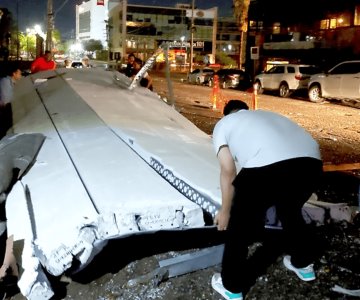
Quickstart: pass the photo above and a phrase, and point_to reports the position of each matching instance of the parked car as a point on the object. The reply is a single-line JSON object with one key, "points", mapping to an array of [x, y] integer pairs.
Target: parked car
{"points": [[285, 78], [76, 64], [232, 78], [200, 76], [342, 82]]}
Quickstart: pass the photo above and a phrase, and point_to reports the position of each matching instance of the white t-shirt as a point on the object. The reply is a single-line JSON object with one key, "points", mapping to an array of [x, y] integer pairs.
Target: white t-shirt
{"points": [[258, 138]]}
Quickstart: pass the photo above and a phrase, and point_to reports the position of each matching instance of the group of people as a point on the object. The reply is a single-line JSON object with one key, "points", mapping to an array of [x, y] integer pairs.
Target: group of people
{"points": [[133, 66], [85, 63], [13, 74]]}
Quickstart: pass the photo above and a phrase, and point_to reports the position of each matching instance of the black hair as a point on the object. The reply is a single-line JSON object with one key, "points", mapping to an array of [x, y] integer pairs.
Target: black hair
{"points": [[47, 52], [11, 69], [234, 105], [139, 61], [132, 55]]}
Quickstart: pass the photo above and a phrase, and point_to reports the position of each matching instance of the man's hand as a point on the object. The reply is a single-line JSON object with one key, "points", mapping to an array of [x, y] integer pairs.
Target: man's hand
{"points": [[222, 219]]}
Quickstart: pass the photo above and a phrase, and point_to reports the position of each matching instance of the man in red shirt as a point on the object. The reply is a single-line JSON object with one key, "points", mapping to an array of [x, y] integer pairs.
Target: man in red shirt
{"points": [[43, 63]]}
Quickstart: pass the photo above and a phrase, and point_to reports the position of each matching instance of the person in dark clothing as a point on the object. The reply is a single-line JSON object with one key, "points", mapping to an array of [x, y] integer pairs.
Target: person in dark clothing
{"points": [[146, 81], [6, 96], [280, 165], [129, 71]]}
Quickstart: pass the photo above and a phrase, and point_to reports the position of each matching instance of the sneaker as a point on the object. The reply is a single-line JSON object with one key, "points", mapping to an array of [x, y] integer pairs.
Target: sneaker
{"points": [[216, 283], [305, 274]]}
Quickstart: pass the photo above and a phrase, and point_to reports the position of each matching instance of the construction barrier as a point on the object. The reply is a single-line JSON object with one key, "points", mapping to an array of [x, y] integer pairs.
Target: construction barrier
{"points": [[216, 97], [254, 100]]}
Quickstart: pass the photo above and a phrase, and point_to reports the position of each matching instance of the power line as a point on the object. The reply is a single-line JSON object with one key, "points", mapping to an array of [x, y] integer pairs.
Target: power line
{"points": [[61, 6]]}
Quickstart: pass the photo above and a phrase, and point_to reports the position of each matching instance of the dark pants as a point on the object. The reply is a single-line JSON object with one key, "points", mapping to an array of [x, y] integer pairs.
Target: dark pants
{"points": [[6, 119], [287, 185]]}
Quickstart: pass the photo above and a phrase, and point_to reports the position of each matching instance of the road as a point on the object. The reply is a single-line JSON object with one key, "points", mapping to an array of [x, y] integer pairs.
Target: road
{"points": [[336, 127]]}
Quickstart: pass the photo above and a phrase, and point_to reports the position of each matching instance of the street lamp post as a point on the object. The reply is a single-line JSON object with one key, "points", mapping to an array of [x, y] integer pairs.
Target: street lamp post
{"points": [[50, 25], [192, 37], [182, 38], [17, 31], [27, 42]]}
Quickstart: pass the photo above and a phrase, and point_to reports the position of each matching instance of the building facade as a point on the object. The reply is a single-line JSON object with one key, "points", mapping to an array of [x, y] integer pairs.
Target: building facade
{"points": [[91, 21], [320, 32], [142, 29]]}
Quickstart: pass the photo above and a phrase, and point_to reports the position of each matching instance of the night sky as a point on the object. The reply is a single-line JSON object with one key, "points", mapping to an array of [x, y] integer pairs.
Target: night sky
{"points": [[31, 12]]}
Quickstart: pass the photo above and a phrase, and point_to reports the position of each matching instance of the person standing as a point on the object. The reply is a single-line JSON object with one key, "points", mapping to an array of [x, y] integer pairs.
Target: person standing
{"points": [[6, 96], [280, 165], [43, 63]]}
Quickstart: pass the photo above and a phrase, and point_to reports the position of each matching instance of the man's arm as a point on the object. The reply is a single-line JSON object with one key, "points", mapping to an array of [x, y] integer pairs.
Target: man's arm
{"points": [[34, 66], [148, 77], [227, 175]]}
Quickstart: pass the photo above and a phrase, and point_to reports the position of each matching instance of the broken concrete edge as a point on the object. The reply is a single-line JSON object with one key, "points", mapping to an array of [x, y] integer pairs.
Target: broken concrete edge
{"points": [[336, 212], [33, 282], [92, 238]]}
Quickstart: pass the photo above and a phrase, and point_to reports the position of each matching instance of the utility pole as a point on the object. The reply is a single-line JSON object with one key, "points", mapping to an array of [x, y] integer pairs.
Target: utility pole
{"points": [[123, 30], [50, 25], [192, 37], [213, 50], [17, 32]]}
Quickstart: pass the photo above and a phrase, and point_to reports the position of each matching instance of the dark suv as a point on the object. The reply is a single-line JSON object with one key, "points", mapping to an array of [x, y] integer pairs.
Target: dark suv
{"points": [[232, 78]]}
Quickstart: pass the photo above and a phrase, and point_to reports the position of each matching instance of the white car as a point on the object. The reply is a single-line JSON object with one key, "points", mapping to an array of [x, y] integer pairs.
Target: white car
{"points": [[200, 76], [285, 78], [341, 82]]}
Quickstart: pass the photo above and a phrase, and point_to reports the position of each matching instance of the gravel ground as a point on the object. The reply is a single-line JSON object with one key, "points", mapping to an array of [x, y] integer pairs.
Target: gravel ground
{"points": [[337, 129]]}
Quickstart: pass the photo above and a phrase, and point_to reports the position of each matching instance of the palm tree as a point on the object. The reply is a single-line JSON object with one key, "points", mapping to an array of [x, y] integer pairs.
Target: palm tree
{"points": [[241, 11]]}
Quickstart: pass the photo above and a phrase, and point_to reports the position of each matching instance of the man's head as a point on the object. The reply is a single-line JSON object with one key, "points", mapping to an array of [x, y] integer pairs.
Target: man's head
{"points": [[14, 72], [131, 58], [67, 62], [48, 55], [85, 61], [137, 64], [233, 106]]}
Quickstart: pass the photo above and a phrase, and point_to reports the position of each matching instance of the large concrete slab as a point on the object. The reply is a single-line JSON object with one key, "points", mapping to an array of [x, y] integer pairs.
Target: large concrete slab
{"points": [[87, 184]]}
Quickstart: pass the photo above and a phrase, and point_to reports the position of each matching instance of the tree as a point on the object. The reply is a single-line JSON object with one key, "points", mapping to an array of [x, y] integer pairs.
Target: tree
{"points": [[92, 45], [56, 41], [241, 11], [225, 59]]}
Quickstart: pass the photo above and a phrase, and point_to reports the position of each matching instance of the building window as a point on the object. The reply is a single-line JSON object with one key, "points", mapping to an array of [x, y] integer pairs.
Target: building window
{"points": [[324, 24], [225, 37], [332, 23], [84, 22], [276, 28], [357, 15], [343, 21]]}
